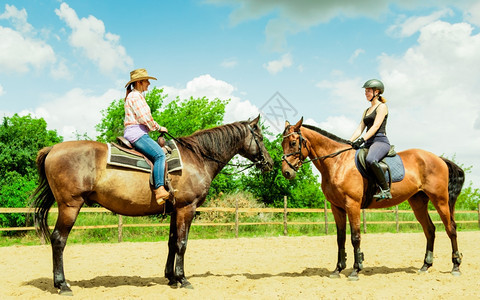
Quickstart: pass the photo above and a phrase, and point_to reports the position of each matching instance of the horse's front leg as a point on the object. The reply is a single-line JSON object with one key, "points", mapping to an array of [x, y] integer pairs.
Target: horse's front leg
{"points": [[354, 218], [183, 221], [172, 241], [341, 223]]}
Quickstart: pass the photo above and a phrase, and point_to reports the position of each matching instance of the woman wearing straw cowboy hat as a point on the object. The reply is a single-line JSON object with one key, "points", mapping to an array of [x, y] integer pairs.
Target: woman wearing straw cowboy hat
{"points": [[139, 122]]}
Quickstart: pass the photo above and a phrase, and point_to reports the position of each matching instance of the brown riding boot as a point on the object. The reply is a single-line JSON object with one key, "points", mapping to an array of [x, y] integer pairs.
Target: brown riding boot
{"points": [[161, 195]]}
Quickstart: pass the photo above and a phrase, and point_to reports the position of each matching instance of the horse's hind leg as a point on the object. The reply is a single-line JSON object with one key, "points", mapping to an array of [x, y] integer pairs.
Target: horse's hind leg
{"points": [[66, 219], [443, 209], [419, 204]]}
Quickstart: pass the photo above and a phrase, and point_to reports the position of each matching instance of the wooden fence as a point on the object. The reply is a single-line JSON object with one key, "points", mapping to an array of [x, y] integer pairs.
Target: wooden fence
{"points": [[236, 210]]}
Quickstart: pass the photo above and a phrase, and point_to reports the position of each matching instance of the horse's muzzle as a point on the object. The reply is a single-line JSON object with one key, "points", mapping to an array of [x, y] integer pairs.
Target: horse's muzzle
{"points": [[289, 174]]}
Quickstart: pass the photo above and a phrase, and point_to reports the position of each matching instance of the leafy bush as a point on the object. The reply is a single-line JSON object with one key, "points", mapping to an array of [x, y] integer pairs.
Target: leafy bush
{"points": [[14, 192]]}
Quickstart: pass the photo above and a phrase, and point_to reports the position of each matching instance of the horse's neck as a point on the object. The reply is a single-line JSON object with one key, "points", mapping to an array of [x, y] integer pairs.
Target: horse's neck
{"points": [[215, 161], [321, 145]]}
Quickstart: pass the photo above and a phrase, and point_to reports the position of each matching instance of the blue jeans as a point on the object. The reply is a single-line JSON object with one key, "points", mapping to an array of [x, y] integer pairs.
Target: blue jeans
{"points": [[154, 152]]}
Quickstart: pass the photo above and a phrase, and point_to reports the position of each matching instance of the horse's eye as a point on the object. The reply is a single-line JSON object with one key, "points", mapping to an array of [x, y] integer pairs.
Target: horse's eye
{"points": [[293, 143]]}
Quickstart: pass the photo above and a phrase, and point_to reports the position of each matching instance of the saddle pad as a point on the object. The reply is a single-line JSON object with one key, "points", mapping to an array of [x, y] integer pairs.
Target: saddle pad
{"points": [[120, 158], [395, 164]]}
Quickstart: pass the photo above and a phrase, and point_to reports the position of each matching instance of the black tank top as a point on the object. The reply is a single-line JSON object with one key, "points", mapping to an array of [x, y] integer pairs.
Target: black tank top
{"points": [[368, 120]]}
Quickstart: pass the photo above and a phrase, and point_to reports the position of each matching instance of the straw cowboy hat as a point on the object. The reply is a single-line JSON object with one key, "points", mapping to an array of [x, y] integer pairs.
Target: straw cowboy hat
{"points": [[139, 74]]}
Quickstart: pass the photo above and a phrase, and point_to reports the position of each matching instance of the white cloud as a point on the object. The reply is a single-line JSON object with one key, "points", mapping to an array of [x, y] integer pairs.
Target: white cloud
{"points": [[202, 86], [88, 34], [19, 53], [211, 88], [18, 18], [229, 63], [75, 112], [413, 24], [355, 54], [2, 91], [61, 71], [21, 50], [288, 17], [472, 13], [275, 66]]}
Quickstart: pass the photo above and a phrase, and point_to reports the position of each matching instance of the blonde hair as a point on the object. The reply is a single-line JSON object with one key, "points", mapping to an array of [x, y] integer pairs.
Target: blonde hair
{"points": [[381, 98]]}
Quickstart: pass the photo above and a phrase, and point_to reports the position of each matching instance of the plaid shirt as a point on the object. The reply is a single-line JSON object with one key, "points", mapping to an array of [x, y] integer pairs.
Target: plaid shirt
{"points": [[137, 111]]}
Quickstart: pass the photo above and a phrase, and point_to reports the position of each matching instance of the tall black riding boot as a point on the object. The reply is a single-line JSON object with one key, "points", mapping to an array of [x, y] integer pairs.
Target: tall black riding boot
{"points": [[382, 183]]}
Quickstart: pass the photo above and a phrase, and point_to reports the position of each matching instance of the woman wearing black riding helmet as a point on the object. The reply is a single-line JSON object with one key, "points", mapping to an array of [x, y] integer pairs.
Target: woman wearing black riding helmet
{"points": [[375, 139]]}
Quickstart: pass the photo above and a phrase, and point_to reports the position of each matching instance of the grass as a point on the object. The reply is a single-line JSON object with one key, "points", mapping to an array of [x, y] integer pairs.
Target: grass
{"points": [[243, 200], [154, 234]]}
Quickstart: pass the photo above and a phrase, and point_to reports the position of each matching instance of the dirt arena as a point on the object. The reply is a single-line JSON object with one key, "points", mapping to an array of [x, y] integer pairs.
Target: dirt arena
{"points": [[248, 268]]}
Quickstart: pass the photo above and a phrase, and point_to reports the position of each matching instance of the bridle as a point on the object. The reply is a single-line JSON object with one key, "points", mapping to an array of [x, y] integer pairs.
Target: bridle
{"points": [[301, 141], [301, 159], [260, 161]]}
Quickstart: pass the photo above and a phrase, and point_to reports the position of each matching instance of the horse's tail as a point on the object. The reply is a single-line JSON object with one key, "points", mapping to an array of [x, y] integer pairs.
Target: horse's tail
{"points": [[42, 198], [456, 178]]}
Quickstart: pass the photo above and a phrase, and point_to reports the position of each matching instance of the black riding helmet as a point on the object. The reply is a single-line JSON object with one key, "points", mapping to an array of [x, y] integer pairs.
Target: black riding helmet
{"points": [[374, 84]]}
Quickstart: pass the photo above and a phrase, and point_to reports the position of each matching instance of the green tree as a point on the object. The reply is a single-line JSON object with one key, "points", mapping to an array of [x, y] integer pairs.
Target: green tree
{"points": [[184, 117], [20, 140], [302, 191]]}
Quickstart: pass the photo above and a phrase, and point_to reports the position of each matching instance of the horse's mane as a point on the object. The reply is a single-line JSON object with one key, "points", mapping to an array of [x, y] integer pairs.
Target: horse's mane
{"points": [[326, 134], [215, 140]]}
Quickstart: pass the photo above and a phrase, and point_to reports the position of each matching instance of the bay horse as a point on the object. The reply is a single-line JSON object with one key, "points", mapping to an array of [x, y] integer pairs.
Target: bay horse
{"points": [[427, 177], [76, 173]]}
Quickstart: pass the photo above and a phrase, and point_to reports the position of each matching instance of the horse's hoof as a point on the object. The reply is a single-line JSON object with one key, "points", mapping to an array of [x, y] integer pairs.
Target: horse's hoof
{"points": [[187, 285], [353, 278], [422, 272], [65, 291], [173, 284], [335, 275], [456, 273]]}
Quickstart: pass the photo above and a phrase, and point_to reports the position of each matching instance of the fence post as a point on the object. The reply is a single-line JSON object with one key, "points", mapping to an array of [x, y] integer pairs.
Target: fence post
{"points": [[396, 218], [364, 221], [479, 215], [236, 218], [285, 230], [120, 228], [325, 211]]}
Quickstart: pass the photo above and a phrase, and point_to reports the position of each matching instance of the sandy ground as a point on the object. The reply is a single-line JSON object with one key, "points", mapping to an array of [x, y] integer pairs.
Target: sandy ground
{"points": [[248, 268]]}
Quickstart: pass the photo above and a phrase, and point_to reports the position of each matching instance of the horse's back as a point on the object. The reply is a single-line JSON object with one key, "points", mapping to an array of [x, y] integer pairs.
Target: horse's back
{"points": [[75, 164], [428, 170]]}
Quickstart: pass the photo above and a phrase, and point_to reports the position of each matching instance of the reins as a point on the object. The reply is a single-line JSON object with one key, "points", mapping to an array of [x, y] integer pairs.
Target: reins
{"points": [[247, 166], [299, 152]]}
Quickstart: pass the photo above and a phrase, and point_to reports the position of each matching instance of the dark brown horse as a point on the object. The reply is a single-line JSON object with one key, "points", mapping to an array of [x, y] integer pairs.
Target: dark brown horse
{"points": [[74, 173], [427, 177]]}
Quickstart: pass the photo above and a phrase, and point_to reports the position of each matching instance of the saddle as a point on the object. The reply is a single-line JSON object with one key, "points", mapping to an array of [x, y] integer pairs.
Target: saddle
{"points": [[125, 145], [391, 165], [142, 163]]}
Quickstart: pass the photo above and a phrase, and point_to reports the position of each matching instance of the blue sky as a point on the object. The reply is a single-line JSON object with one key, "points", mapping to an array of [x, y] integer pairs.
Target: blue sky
{"points": [[66, 61]]}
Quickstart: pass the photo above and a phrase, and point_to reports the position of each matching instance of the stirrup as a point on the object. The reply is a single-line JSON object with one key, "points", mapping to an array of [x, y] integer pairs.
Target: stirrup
{"points": [[383, 194]]}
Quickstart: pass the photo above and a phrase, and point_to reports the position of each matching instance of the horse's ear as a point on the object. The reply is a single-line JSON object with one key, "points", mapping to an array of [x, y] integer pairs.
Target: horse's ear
{"points": [[255, 121], [287, 124], [299, 123]]}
